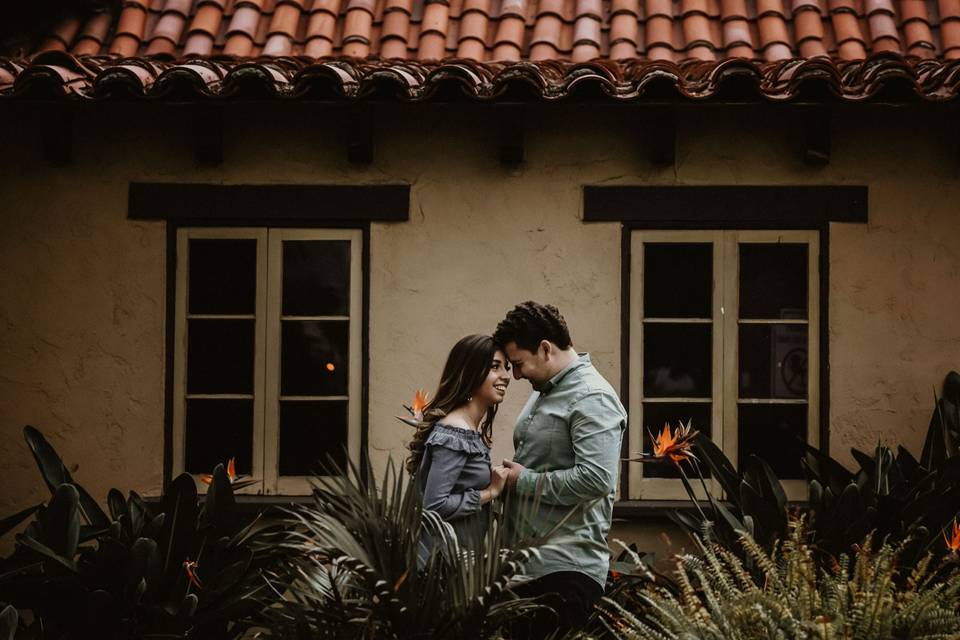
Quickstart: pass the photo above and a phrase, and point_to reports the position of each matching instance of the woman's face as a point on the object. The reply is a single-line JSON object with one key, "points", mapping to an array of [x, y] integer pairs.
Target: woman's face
{"points": [[494, 387]]}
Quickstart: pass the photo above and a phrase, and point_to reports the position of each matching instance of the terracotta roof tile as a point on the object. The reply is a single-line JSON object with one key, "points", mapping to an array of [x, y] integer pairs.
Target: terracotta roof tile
{"points": [[800, 38], [624, 29]]}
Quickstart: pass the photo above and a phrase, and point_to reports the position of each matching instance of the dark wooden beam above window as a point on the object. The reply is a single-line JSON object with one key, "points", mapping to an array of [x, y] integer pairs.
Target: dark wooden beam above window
{"points": [[725, 207], [268, 202]]}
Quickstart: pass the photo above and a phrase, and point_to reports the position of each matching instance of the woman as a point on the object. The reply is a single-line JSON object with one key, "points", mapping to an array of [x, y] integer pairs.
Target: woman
{"points": [[450, 452]]}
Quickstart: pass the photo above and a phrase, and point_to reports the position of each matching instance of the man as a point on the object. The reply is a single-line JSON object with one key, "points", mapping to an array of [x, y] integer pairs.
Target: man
{"points": [[567, 441]]}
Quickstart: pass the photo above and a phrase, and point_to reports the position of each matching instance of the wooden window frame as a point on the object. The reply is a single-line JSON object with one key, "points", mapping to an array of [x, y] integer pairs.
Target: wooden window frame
{"points": [[266, 394], [725, 361]]}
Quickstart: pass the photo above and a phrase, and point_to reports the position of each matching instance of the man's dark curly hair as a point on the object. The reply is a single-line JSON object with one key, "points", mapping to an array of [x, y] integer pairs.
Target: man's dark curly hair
{"points": [[529, 323]]}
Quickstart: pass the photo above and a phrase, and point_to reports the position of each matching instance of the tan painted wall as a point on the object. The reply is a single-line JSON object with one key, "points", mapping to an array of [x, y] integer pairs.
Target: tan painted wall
{"points": [[82, 289]]}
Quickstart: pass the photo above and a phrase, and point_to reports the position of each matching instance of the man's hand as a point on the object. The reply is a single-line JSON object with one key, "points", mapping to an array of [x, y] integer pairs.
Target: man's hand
{"points": [[514, 469]]}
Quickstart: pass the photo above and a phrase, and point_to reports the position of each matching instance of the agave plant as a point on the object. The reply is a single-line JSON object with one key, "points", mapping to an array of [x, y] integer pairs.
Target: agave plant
{"points": [[351, 567], [869, 595], [171, 570]]}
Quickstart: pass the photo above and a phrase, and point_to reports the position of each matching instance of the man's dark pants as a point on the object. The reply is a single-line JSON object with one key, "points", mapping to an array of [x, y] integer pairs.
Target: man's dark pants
{"points": [[572, 596]]}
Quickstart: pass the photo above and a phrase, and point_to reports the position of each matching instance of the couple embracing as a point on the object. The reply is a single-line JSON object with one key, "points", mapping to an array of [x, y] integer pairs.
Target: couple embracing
{"points": [[567, 446]]}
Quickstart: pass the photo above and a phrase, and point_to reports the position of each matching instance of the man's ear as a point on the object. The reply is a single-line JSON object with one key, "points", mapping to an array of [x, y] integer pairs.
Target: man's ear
{"points": [[547, 348]]}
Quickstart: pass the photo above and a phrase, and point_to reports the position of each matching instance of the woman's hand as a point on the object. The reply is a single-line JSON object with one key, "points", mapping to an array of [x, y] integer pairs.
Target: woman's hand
{"points": [[498, 480]]}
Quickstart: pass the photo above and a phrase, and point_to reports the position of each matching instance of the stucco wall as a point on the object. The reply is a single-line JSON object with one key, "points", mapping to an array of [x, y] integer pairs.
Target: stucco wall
{"points": [[82, 289]]}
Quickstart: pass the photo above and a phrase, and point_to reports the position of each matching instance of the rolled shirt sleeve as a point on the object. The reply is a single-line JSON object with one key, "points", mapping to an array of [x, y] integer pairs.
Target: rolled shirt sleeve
{"points": [[596, 430], [438, 493]]}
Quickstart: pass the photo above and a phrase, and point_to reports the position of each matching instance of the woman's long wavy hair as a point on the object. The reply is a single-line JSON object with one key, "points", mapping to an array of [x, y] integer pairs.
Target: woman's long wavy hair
{"points": [[466, 369]]}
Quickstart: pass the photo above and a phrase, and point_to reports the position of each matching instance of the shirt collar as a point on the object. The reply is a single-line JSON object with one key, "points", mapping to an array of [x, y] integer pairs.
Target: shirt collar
{"points": [[582, 361]]}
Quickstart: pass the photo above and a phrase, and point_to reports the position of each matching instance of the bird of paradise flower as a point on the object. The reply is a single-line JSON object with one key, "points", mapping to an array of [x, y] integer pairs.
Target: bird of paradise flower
{"points": [[415, 409], [190, 566], [953, 542], [236, 481], [676, 447]]}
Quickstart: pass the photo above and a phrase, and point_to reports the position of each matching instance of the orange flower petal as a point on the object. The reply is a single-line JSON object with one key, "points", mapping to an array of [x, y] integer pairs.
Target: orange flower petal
{"points": [[419, 400]]}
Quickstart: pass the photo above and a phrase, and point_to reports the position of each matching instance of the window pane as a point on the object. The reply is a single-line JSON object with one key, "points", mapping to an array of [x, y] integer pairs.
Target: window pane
{"points": [[220, 356], [773, 281], [776, 433], [217, 430], [655, 414], [316, 277], [223, 276], [314, 357], [309, 432], [677, 280], [773, 361], [676, 360]]}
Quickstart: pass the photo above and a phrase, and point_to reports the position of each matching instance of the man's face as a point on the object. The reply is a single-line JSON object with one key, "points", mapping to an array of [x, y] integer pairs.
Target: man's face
{"points": [[528, 365]]}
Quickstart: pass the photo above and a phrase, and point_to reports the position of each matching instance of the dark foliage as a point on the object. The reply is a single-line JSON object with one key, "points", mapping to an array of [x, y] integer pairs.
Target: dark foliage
{"points": [[180, 568]]}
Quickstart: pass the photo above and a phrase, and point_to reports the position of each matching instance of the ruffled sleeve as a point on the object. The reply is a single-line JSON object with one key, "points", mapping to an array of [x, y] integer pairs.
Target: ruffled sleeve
{"points": [[447, 437], [449, 452]]}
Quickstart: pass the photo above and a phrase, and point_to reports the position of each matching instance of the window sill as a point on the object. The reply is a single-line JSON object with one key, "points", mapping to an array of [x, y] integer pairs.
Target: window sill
{"points": [[628, 510], [251, 503]]}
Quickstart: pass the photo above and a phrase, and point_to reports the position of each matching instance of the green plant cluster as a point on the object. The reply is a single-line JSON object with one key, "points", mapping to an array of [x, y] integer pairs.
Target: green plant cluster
{"points": [[896, 496], [352, 570], [164, 570], [786, 594]]}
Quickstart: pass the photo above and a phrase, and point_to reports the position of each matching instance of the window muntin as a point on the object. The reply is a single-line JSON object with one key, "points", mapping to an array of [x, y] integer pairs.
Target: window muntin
{"points": [[268, 352]]}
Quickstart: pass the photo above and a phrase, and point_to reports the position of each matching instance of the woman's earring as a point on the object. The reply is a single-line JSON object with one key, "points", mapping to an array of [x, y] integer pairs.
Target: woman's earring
{"points": [[469, 398]]}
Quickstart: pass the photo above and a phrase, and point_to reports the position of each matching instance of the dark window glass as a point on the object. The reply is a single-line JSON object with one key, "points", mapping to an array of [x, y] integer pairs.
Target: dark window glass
{"points": [[316, 277], [773, 361], [310, 431], [217, 430], [223, 276], [677, 360], [773, 281], [314, 357], [220, 356], [655, 415], [677, 280], [776, 433]]}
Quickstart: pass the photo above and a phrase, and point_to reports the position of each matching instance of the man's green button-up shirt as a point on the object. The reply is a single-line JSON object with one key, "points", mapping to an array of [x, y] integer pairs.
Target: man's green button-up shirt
{"points": [[568, 437]]}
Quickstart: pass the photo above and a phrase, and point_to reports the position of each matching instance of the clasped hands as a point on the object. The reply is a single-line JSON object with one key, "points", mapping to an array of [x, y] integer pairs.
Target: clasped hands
{"points": [[503, 475]]}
